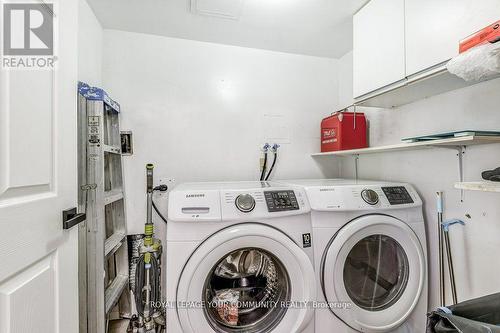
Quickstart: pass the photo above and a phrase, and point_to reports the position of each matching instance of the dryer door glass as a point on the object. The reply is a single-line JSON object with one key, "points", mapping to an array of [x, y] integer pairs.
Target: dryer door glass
{"points": [[376, 272], [246, 292]]}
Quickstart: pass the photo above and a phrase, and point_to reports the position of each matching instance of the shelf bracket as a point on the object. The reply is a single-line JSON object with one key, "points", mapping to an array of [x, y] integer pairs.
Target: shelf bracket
{"points": [[356, 167], [460, 154], [461, 175]]}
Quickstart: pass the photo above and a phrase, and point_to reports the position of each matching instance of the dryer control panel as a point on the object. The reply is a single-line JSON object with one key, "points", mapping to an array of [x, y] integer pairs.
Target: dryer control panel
{"points": [[397, 195], [363, 195]]}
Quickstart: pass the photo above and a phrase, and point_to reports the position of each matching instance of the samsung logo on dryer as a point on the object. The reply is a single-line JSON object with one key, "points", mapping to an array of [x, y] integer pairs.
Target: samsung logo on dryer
{"points": [[195, 195]]}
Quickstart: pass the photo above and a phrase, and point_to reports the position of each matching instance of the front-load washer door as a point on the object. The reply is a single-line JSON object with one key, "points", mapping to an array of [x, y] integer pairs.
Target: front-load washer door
{"points": [[246, 278], [373, 272]]}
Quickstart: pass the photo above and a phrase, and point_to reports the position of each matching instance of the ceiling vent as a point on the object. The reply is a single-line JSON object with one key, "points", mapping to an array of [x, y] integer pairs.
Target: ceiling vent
{"points": [[228, 9]]}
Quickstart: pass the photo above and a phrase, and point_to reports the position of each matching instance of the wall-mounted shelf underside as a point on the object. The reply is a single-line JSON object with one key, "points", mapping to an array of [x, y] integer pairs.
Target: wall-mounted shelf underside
{"points": [[420, 86], [484, 186], [443, 143]]}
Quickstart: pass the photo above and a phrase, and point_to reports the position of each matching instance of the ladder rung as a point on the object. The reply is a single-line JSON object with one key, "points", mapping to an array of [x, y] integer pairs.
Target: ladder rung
{"points": [[111, 149], [112, 196], [114, 291], [113, 243]]}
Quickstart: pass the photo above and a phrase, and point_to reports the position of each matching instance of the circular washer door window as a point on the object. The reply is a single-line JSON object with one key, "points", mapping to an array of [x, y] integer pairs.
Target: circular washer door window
{"points": [[246, 291], [375, 264], [246, 278]]}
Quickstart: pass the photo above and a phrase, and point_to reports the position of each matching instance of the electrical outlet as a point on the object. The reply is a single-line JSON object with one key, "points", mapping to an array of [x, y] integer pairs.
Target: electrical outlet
{"points": [[170, 182]]}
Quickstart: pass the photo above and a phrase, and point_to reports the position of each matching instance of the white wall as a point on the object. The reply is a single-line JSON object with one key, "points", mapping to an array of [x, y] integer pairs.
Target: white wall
{"points": [[198, 110], [346, 80], [90, 38], [476, 246]]}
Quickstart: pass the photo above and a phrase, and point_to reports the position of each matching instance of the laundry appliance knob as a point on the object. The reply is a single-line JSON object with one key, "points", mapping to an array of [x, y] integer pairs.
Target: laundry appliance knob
{"points": [[245, 203], [370, 197]]}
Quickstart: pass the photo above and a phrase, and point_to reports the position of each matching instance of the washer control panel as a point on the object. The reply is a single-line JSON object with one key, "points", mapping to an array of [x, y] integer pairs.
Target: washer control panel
{"points": [[397, 195], [240, 201], [280, 201]]}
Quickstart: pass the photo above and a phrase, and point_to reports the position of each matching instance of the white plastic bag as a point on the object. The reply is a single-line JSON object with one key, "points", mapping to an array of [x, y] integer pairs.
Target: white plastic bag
{"points": [[477, 64]]}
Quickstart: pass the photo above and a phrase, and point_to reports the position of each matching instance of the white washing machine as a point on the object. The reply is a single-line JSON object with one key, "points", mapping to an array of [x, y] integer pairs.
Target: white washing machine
{"points": [[239, 259], [370, 256]]}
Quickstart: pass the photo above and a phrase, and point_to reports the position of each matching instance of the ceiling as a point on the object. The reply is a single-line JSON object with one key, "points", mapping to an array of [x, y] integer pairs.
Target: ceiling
{"points": [[311, 27]]}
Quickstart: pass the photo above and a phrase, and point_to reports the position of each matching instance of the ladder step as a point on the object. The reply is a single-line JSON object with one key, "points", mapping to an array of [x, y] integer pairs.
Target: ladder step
{"points": [[113, 243], [112, 149], [112, 196], [114, 291]]}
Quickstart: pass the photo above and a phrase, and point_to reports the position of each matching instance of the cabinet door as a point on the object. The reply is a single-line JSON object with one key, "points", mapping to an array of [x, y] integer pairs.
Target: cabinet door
{"points": [[379, 45], [435, 28]]}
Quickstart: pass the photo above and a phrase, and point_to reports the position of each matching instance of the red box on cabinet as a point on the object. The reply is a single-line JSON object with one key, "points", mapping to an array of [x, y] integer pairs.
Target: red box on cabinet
{"points": [[343, 131], [490, 34]]}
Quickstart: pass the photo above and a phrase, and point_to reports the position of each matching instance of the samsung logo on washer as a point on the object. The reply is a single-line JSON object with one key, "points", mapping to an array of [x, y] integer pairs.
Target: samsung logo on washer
{"points": [[195, 195], [326, 189]]}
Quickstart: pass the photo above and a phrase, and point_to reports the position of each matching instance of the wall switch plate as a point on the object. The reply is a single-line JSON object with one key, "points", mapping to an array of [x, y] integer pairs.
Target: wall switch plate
{"points": [[127, 143]]}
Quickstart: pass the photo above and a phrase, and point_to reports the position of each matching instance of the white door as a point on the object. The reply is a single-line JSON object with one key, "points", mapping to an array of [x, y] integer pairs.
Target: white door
{"points": [[376, 264], [378, 46], [250, 278], [434, 29], [38, 180]]}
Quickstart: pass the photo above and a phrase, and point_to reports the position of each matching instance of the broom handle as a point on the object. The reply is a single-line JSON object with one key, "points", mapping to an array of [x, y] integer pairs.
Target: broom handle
{"points": [[442, 293], [450, 267]]}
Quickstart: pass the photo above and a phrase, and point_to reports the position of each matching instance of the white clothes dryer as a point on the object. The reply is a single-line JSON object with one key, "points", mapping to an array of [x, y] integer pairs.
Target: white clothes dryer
{"points": [[370, 256]]}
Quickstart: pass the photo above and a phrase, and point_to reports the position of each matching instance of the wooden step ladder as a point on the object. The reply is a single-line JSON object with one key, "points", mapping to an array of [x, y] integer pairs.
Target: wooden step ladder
{"points": [[103, 252]]}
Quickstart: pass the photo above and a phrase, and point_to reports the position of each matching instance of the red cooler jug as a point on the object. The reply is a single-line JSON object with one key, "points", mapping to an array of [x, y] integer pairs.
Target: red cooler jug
{"points": [[343, 131]]}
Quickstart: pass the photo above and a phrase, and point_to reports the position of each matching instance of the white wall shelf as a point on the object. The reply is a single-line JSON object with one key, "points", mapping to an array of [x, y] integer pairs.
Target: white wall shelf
{"points": [[458, 143], [442, 143], [484, 186]]}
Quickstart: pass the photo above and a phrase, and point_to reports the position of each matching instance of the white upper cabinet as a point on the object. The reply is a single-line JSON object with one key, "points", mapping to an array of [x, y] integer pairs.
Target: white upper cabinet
{"points": [[379, 45], [435, 28], [398, 42]]}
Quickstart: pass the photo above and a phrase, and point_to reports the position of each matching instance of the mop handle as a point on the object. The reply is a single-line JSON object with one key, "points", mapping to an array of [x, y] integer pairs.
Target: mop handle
{"points": [[439, 208], [446, 229], [439, 204]]}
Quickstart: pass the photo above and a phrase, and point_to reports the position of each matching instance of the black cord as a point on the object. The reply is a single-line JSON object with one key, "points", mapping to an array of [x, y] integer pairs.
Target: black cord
{"points": [[158, 212], [161, 188], [264, 167], [272, 165]]}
